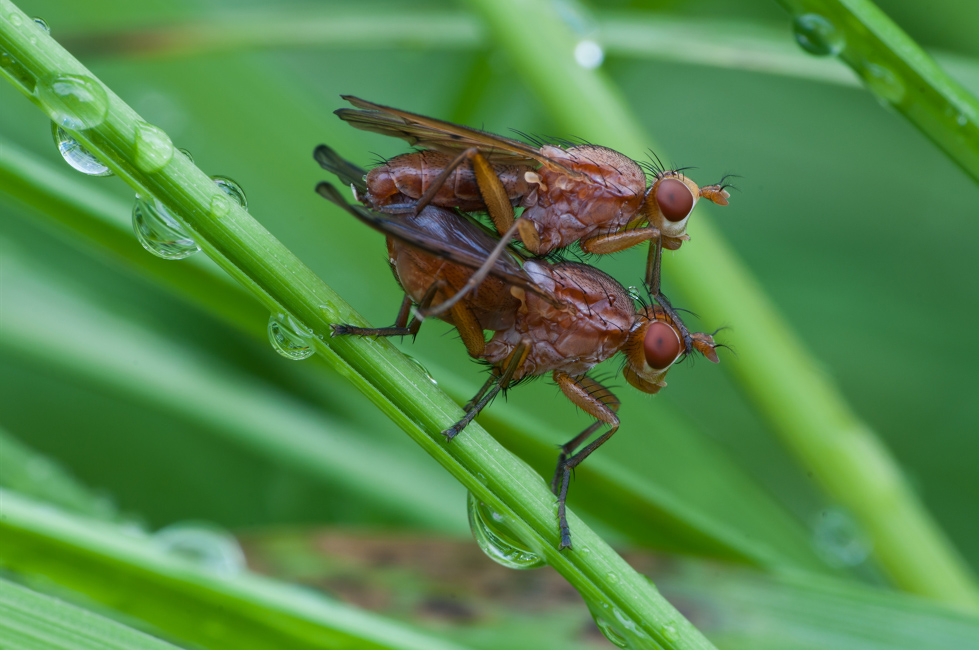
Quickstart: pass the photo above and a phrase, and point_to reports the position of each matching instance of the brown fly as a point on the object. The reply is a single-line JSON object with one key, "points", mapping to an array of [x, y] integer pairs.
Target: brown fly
{"points": [[585, 194], [561, 318]]}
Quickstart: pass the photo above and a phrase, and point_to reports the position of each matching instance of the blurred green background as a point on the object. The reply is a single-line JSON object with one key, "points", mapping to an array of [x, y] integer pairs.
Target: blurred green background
{"points": [[859, 229]]}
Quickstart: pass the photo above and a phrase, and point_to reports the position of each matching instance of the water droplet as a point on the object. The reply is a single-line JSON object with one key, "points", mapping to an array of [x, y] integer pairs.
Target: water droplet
{"points": [[838, 539], [611, 633], [289, 337], [153, 148], [417, 363], [159, 231], [205, 544], [882, 82], [817, 35], [232, 189], [187, 153], [73, 101], [589, 54], [15, 19], [961, 119], [43, 25], [669, 631], [497, 541], [76, 155], [612, 577]]}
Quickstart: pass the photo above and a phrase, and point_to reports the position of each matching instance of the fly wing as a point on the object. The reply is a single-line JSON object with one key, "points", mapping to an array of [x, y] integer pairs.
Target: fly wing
{"points": [[430, 133], [452, 246]]}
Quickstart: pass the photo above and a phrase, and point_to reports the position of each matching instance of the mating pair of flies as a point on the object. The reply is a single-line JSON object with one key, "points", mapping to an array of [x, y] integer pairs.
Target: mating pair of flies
{"points": [[546, 314]]}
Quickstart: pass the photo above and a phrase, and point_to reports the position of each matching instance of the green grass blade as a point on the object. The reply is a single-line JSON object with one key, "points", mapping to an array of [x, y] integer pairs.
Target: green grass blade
{"points": [[898, 72], [250, 254], [174, 594], [804, 407], [32, 621]]}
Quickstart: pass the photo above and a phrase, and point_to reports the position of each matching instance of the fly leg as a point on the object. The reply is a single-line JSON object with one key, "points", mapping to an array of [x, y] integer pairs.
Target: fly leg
{"points": [[623, 239], [500, 210], [597, 401], [653, 282], [493, 385], [401, 325]]}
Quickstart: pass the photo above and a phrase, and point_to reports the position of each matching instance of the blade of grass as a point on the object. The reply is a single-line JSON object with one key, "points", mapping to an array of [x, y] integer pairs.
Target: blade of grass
{"points": [[250, 254], [132, 574], [899, 73], [32, 621], [805, 409], [740, 45]]}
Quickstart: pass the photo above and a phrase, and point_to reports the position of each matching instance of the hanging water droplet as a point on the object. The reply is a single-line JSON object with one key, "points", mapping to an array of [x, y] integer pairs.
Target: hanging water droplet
{"points": [[187, 153], [882, 82], [497, 541], [211, 547], [76, 155], [817, 35], [232, 189], [289, 337], [159, 231], [589, 54], [153, 148], [43, 25], [838, 539], [73, 101]]}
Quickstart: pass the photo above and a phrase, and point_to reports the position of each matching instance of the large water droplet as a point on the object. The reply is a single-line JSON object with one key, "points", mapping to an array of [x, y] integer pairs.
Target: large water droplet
{"points": [[76, 155], [838, 539], [882, 82], [43, 25], [73, 101], [153, 148], [817, 35], [497, 541], [589, 54], [159, 231], [289, 337], [211, 547]]}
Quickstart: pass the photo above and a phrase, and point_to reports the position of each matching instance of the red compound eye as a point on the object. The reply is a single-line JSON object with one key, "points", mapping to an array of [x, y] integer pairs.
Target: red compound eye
{"points": [[675, 199], [661, 345]]}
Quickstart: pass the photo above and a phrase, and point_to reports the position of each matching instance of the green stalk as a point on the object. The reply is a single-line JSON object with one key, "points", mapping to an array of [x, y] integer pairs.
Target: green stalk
{"points": [[207, 607], [249, 253], [773, 367], [31, 621], [896, 70]]}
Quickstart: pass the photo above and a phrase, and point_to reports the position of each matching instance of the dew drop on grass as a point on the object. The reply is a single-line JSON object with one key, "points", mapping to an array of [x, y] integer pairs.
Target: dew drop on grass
{"points": [[153, 148], [15, 19], [817, 35], [73, 101], [421, 367], [43, 25], [882, 82], [289, 337], [159, 231], [76, 155], [208, 546], [838, 539], [495, 538], [232, 189]]}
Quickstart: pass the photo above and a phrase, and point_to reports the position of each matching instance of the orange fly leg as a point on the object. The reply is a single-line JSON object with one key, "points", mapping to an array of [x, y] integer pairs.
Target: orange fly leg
{"points": [[614, 242], [600, 403]]}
